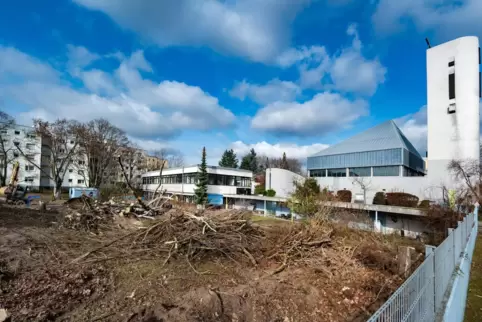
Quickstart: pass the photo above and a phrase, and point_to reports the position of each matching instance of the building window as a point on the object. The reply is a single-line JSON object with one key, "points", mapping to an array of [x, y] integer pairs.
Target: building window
{"points": [[360, 172], [31, 136], [17, 132], [28, 179], [15, 154], [70, 180], [318, 173], [30, 146], [336, 172], [80, 181], [29, 167], [71, 170], [3, 131], [81, 162], [452, 86], [71, 141], [452, 63], [390, 171]]}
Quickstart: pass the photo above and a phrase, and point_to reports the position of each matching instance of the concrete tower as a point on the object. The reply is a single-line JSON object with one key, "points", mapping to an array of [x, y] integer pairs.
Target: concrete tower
{"points": [[453, 93]]}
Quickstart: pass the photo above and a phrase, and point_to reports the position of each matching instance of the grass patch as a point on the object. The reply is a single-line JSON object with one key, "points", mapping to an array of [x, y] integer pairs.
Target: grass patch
{"points": [[473, 311]]}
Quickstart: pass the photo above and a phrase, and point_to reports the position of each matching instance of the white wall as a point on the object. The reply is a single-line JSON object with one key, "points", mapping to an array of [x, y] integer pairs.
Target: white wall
{"points": [[452, 136], [418, 186], [281, 181], [189, 188]]}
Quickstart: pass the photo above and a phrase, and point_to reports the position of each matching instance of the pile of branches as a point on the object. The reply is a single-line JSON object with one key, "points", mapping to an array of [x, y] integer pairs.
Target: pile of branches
{"points": [[181, 234], [88, 214]]}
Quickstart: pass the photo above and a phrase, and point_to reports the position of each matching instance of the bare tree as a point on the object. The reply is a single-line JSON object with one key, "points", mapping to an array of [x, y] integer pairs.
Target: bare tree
{"points": [[469, 173], [6, 149], [60, 150], [283, 162], [134, 163], [100, 143], [364, 183]]}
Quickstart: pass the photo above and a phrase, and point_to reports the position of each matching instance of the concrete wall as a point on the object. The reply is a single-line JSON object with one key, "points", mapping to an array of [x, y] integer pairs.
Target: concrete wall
{"points": [[415, 185], [456, 135], [281, 181]]}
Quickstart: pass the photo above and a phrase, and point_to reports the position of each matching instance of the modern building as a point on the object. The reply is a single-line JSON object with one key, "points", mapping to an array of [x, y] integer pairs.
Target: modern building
{"points": [[15, 140], [383, 159], [182, 181], [378, 152]]}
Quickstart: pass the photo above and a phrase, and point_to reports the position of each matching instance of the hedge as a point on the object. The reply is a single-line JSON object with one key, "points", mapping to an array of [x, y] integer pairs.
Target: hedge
{"points": [[344, 195], [270, 193], [401, 199], [380, 198]]}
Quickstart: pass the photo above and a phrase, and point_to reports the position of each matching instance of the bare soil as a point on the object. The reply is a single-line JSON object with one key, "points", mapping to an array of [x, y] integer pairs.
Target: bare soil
{"points": [[294, 272]]}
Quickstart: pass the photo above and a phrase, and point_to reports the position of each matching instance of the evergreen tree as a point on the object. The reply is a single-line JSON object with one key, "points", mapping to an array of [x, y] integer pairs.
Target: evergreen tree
{"points": [[201, 191], [284, 162], [229, 159], [250, 162]]}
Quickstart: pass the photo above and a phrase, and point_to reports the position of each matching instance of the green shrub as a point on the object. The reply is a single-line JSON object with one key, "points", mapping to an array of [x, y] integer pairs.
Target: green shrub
{"points": [[424, 204], [270, 193], [380, 198], [401, 199], [259, 189], [344, 195]]}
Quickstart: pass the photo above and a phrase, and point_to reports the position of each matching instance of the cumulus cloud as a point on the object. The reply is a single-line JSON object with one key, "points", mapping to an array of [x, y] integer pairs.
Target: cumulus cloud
{"points": [[352, 72], [414, 126], [274, 90], [449, 19], [324, 113], [276, 150], [257, 30], [140, 106]]}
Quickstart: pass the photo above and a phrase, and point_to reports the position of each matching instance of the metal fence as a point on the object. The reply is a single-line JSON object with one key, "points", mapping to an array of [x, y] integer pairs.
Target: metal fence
{"points": [[422, 296]]}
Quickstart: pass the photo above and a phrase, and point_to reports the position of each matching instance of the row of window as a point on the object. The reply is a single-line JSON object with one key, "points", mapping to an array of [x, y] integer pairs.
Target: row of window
{"points": [[191, 178], [30, 135], [357, 172]]}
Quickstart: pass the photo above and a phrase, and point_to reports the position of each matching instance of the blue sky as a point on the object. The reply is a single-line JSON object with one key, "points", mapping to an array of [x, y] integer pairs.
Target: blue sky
{"points": [[277, 75]]}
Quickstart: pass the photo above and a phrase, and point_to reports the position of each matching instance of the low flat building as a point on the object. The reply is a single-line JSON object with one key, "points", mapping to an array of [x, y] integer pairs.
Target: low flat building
{"points": [[182, 181]]}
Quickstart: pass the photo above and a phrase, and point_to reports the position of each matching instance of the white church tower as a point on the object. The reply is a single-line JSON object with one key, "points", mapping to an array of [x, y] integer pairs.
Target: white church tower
{"points": [[453, 116]]}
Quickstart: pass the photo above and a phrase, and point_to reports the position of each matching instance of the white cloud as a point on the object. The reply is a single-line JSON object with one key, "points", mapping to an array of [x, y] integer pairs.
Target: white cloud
{"points": [[255, 29], [352, 72], [277, 150], [414, 126], [140, 106], [274, 90], [305, 54], [80, 57], [449, 19], [15, 65], [320, 115]]}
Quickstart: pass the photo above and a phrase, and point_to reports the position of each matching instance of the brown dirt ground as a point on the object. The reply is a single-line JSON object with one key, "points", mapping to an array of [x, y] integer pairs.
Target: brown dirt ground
{"points": [[39, 282]]}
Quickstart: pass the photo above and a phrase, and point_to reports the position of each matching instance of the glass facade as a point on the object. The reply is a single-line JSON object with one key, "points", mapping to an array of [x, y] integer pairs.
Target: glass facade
{"points": [[191, 178], [392, 171], [336, 172], [356, 159], [317, 173], [360, 172]]}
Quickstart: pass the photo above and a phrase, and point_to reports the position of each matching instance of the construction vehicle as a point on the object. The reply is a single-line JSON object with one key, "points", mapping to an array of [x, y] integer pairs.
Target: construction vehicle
{"points": [[13, 192]]}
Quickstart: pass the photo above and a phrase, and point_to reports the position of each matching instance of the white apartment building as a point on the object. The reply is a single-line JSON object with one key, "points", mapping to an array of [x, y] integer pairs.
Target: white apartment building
{"points": [[36, 154]]}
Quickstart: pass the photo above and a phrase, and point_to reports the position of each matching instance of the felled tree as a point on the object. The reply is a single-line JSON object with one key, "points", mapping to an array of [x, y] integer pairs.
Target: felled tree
{"points": [[201, 191], [229, 159]]}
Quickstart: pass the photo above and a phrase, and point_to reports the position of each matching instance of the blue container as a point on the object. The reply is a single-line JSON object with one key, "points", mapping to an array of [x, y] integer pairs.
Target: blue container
{"points": [[77, 192], [215, 199]]}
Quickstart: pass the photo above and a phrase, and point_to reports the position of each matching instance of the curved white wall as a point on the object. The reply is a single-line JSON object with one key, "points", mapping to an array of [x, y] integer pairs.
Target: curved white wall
{"points": [[281, 181]]}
